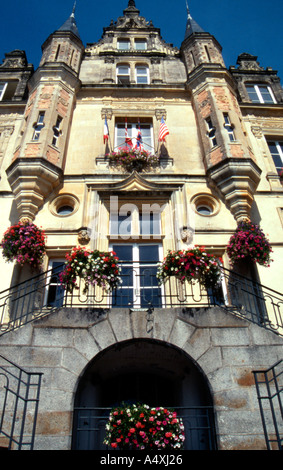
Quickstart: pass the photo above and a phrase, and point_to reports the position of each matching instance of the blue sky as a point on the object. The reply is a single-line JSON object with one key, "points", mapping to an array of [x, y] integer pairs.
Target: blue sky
{"points": [[252, 26]]}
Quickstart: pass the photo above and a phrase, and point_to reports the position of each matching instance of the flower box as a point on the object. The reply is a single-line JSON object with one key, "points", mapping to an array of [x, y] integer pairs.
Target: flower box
{"points": [[140, 427], [133, 159], [249, 244], [191, 265], [24, 243], [96, 268]]}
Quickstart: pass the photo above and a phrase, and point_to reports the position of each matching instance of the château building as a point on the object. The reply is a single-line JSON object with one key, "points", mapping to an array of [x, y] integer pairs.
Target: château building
{"points": [[211, 139]]}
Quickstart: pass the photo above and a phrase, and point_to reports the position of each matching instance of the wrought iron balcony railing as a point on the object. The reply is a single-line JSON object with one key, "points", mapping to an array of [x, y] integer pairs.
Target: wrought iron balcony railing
{"points": [[139, 289]]}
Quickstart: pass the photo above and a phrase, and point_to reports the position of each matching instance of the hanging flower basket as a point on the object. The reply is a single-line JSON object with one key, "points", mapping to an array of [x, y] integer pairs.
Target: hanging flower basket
{"points": [[191, 265], [24, 243], [94, 267], [133, 159], [139, 427], [249, 244]]}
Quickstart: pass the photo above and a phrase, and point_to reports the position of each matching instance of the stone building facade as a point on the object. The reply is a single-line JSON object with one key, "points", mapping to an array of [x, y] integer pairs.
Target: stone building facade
{"points": [[219, 165]]}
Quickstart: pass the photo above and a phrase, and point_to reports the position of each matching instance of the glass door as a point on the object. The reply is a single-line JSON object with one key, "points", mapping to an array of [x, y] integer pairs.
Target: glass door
{"points": [[139, 286]]}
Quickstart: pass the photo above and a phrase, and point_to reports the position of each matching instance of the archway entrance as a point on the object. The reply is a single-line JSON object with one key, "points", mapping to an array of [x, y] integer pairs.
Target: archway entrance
{"points": [[146, 371]]}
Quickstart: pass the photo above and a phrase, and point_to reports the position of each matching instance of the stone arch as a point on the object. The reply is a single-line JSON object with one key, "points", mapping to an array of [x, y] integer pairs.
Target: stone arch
{"points": [[142, 370]]}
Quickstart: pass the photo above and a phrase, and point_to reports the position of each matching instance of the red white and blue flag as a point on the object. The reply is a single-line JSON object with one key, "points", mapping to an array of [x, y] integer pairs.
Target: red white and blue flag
{"points": [[163, 131], [139, 139], [128, 140], [106, 131]]}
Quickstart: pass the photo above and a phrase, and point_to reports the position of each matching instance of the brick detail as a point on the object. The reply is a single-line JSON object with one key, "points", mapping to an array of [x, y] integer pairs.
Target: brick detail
{"points": [[221, 97], [32, 150], [63, 101], [53, 155], [45, 97], [236, 151], [216, 156]]}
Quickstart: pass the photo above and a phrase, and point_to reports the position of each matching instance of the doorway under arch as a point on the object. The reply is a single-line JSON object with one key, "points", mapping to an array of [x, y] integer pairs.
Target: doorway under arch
{"points": [[145, 371]]}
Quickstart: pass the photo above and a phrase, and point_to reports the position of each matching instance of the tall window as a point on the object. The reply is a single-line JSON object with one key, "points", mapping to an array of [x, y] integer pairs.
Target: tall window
{"points": [[276, 150], [138, 272], [133, 129], [211, 132], [228, 126], [38, 126], [54, 291], [56, 131], [3, 87], [260, 93], [123, 74], [142, 75]]}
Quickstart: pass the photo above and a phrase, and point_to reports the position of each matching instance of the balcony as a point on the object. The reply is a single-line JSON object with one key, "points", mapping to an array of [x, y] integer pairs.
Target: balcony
{"points": [[43, 294]]}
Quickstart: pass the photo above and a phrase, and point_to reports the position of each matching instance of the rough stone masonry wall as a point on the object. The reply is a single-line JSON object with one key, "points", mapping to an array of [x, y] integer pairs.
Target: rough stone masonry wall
{"points": [[226, 348]]}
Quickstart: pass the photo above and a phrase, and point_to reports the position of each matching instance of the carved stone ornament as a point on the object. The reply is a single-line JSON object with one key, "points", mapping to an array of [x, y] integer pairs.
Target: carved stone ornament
{"points": [[187, 235], [83, 237]]}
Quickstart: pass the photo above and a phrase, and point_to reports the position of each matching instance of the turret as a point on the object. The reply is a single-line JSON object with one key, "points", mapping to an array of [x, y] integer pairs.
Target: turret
{"points": [[38, 162], [228, 159]]}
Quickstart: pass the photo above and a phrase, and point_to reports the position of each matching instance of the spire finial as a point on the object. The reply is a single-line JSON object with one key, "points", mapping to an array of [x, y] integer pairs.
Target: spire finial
{"points": [[74, 9], [188, 11]]}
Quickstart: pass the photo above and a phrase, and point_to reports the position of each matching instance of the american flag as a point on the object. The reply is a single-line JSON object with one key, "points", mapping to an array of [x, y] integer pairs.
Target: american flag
{"points": [[106, 130], [128, 140], [163, 130]]}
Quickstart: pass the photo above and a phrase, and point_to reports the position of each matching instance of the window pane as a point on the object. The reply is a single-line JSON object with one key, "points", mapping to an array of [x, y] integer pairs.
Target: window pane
{"points": [[140, 44], [253, 94], [124, 252], [150, 223], [267, 98], [149, 253]]}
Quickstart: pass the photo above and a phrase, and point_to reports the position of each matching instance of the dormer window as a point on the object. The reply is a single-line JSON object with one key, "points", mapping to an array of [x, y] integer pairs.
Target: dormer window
{"points": [[123, 44], [260, 93], [140, 44], [123, 74]]}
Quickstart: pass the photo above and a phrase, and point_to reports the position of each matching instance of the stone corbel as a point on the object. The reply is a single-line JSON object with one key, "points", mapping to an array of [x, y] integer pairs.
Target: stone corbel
{"points": [[159, 113], [106, 113]]}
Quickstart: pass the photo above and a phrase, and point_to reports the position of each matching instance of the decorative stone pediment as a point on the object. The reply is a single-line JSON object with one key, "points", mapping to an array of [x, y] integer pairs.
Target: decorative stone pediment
{"points": [[135, 183]]}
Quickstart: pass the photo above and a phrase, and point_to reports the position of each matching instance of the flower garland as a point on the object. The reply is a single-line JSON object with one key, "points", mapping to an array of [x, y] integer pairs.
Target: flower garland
{"points": [[133, 159], [140, 427], [191, 265], [25, 243], [249, 243], [95, 267]]}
